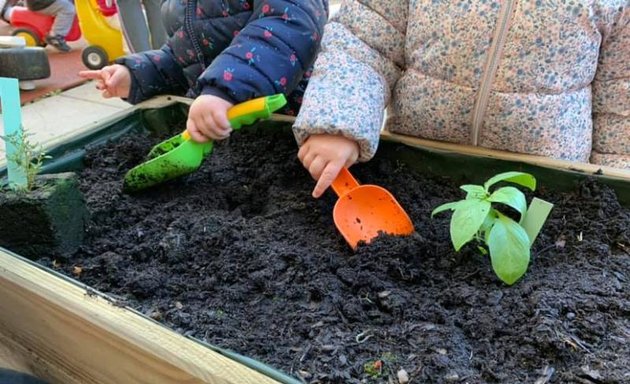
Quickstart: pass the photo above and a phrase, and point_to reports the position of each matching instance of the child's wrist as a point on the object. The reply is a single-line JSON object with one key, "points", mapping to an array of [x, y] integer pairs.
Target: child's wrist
{"points": [[214, 91]]}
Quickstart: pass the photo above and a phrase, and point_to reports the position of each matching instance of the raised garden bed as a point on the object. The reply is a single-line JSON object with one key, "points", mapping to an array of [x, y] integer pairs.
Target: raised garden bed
{"points": [[240, 256]]}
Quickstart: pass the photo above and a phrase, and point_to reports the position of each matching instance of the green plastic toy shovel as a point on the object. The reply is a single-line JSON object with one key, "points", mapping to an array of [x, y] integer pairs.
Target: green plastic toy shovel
{"points": [[180, 155]]}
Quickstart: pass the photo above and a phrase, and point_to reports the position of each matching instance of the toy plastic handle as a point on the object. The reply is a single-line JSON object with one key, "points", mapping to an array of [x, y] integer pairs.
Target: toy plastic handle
{"points": [[260, 108], [248, 112], [344, 182]]}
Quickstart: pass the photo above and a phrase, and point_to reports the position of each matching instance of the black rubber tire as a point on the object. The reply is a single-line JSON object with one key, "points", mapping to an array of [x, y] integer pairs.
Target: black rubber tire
{"points": [[30, 63], [25, 31], [94, 57]]}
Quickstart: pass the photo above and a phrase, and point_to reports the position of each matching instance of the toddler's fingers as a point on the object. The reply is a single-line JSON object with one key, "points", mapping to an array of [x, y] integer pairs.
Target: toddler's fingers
{"points": [[316, 167], [221, 120], [100, 85], [329, 174], [218, 132], [222, 135], [201, 127], [308, 159], [302, 152], [113, 80], [222, 131], [107, 94], [194, 132], [93, 75], [105, 76], [207, 127]]}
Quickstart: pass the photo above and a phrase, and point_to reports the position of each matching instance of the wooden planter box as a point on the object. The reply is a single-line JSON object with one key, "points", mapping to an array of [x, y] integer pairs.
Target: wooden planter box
{"points": [[65, 332]]}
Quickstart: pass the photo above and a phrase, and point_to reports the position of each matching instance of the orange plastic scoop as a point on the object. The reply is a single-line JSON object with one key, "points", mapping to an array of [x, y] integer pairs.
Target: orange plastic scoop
{"points": [[363, 211]]}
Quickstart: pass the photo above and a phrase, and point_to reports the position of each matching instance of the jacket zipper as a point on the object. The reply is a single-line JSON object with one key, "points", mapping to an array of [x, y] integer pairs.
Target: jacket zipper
{"points": [[492, 63], [191, 8]]}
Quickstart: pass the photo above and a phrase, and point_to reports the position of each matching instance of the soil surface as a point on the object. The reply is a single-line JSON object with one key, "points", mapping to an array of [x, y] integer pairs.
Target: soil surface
{"points": [[239, 255]]}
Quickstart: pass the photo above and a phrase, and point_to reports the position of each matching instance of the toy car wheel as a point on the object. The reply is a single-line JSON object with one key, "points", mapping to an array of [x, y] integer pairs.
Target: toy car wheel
{"points": [[94, 57], [32, 40], [28, 63]]}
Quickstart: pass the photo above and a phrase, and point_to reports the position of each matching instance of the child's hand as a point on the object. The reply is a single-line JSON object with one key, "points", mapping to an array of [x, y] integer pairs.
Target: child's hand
{"points": [[207, 119], [113, 80], [324, 156]]}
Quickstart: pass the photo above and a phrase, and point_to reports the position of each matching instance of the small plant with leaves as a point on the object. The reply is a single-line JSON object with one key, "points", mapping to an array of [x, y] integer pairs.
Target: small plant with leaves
{"points": [[477, 217], [381, 367], [28, 157], [374, 368]]}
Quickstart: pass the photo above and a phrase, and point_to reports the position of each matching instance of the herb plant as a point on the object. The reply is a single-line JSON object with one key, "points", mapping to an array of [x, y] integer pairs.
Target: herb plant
{"points": [[28, 157], [477, 217]]}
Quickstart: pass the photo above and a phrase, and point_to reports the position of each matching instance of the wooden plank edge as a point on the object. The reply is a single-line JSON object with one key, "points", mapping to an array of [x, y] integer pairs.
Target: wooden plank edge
{"points": [[26, 361], [11, 357], [93, 341], [564, 165]]}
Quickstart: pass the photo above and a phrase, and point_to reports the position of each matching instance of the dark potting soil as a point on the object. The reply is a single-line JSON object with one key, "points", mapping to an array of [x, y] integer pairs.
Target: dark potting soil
{"points": [[240, 255]]}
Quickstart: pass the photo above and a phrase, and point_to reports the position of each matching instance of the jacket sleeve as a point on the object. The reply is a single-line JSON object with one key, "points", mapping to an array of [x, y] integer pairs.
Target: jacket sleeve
{"points": [[154, 73], [270, 54], [611, 94], [360, 61]]}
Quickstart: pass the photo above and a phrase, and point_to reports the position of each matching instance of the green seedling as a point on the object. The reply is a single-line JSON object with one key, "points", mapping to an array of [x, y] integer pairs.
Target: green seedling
{"points": [[379, 367], [374, 368], [477, 218], [27, 157]]}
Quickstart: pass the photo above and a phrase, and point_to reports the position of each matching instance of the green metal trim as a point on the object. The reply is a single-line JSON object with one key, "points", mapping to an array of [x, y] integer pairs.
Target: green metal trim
{"points": [[465, 169]]}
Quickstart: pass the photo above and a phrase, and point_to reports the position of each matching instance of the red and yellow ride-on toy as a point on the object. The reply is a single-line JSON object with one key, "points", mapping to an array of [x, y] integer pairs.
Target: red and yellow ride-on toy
{"points": [[105, 43], [34, 26]]}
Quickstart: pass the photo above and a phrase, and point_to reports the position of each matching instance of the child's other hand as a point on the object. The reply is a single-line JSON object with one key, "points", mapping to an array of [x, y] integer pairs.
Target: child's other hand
{"points": [[113, 80], [207, 119], [324, 156]]}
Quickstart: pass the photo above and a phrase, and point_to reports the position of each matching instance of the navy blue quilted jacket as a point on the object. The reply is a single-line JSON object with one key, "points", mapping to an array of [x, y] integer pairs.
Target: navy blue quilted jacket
{"points": [[234, 49]]}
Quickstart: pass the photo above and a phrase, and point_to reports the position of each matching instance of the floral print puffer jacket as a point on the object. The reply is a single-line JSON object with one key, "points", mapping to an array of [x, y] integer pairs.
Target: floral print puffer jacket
{"points": [[543, 77], [234, 49]]}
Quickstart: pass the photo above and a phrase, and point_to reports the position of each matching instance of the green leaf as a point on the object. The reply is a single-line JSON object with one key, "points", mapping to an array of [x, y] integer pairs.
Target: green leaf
{"points": [[520, 178], [466, 220], [445, 207], [474, 191], [510, 196], [488, 222], [509, 249]]}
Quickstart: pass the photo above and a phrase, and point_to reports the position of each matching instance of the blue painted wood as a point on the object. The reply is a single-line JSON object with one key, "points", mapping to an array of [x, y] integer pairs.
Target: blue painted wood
{"points": [[12, 117]]}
